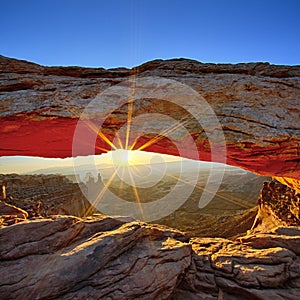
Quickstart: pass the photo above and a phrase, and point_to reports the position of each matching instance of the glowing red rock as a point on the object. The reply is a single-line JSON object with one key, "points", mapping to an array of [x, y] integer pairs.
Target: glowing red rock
{"points": [[257, 105]]}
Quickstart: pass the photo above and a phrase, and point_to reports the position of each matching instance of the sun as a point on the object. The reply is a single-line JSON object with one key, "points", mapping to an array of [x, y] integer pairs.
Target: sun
{"points": [[122, 157]]}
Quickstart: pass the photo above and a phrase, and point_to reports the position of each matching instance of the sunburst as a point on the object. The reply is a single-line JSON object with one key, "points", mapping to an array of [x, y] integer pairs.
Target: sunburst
{"points": [[126, 159]]}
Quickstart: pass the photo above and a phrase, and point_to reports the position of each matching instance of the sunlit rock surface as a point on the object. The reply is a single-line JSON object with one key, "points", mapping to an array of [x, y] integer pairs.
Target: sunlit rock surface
{"points": [[257, 105], [102, 258], [119, 258], [278, 205], [222, 269], [10, 214]]}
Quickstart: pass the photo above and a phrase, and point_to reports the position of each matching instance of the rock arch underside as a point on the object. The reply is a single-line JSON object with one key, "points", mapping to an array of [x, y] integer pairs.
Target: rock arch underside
{"points": [[257, 105], [100, 257]]}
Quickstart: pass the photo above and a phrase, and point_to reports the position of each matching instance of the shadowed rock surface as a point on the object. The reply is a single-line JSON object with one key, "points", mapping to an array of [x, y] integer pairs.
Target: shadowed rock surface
{"points": [[278, 205], [119, 258], [100, 257], [257, 105]]}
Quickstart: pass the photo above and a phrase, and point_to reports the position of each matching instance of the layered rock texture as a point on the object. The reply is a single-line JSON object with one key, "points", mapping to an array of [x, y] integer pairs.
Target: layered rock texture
{"points": [[255, 268], [257, 105], [100, 257], [117, 258], [66, 257]]}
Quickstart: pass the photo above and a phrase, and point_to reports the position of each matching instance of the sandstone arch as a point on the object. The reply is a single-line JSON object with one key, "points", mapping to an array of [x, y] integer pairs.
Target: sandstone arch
{"points": [[257, 105]]}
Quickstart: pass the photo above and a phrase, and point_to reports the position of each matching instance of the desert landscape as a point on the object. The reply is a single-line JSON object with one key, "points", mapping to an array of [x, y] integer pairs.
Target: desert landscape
{"points": [[244, 244]]}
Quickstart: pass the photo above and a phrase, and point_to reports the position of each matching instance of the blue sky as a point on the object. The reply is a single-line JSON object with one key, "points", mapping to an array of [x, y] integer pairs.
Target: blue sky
{"points": [[130, 32]]}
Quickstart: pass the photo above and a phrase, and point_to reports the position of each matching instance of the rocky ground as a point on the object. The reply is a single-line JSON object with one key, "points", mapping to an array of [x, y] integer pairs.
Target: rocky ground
{"points": [[64, 257], [100, 257], [282, 200]]}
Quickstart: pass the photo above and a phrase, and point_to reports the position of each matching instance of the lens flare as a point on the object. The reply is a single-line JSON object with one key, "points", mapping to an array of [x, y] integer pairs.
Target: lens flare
{"points": [[89, 137]]}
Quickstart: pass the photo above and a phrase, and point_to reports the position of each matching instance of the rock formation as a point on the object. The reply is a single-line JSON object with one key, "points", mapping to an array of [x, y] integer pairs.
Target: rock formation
{"points": [[231, 212], [222, 269], [257, 105], [100, 257], [103, 258], [119, 258], [279, 205], [10, 214], [65, 257]]}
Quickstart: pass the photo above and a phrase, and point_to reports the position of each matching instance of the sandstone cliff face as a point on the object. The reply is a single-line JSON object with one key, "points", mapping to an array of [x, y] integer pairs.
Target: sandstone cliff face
{"points": [[119, 258], [65, 257], [257, 105]]}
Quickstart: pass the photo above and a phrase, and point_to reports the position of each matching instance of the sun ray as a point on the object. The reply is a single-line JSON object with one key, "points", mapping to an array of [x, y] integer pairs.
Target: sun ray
{"points": [[211, 192], [137, 170], [130, 108], [162, 134], [103, 149], [136, 194], [151, 142], [94, 128], [105, 139], [102, 192], [133, 144], [122, 176], [129, 119], [119, 141]]}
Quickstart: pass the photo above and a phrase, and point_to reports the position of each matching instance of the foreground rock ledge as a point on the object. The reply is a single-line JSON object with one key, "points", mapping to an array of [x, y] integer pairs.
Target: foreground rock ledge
{"points": [[257, 105], [119, 258]]}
